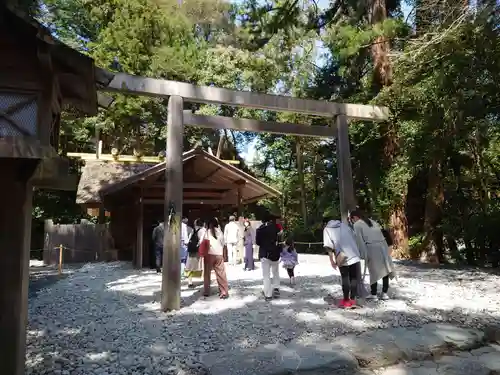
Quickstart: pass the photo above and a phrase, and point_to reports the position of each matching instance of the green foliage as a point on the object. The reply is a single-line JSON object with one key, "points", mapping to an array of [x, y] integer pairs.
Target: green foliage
{"points": [[444, 102]]}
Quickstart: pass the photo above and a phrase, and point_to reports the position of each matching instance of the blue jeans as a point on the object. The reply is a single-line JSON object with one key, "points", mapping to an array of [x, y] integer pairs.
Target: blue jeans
{"points": [[159, 255], [183, 267]]}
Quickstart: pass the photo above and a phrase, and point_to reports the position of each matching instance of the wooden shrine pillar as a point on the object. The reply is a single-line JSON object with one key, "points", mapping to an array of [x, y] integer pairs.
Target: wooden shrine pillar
{"points": [[15, 240], [139, 247], [171, 272], [239, 207], [346, 186], [102, 215]]}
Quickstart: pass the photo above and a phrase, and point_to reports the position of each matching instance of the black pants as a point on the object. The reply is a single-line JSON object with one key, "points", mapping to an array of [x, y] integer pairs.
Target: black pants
{"points": [[385, 286], [290, 272], [349, 276]]}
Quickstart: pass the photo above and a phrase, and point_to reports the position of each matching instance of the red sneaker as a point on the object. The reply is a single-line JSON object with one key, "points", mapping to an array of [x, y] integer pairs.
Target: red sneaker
{"points": [[352, 303], [345, 304]]}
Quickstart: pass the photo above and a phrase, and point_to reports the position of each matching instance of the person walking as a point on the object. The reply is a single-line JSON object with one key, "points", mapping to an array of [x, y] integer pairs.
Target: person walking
{"points": [[214, 260], [158, 235], [231, 236], [374, 247], [289, 259], [194, 263], [248, 243], [340, 243], [269, 254], [186, 231]]}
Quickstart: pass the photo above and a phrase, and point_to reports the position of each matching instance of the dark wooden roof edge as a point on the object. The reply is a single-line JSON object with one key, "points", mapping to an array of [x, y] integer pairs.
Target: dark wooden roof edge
{"points": [[141, 176], [186, 156], [75, 64], [272, 191]]}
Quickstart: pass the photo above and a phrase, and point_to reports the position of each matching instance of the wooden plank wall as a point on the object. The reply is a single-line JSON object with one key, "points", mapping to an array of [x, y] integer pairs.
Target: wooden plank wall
{"points": [[85, 242]]}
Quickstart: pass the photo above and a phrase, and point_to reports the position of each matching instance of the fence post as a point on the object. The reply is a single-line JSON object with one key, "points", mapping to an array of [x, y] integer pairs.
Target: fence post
{"points": [[60, 259]]}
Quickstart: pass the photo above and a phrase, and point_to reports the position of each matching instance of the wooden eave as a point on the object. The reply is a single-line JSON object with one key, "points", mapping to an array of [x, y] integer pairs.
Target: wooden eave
{"points": [[73, 70], [219, 176]]}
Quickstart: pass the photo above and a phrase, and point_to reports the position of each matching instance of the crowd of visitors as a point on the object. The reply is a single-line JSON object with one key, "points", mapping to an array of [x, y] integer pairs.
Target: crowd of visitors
{"points": [[347, 243]]}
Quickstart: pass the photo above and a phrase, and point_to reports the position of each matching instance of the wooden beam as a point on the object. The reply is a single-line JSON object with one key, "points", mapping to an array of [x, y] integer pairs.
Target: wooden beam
{"points": [[243, 124], [140, 232], [159, 191], [239, 198], [127, 158], [203, 185], [119, 158], [205, 202], [65, 183], [129, 84], [205, 194]]}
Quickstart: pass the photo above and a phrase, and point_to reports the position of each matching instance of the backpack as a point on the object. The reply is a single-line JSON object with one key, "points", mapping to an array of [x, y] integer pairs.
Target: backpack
{"points": [[192, 246]]}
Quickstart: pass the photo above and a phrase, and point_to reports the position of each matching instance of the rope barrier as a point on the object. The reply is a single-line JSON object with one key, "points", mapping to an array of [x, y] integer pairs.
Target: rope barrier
{"points": [[309, 244], [61, 248]]}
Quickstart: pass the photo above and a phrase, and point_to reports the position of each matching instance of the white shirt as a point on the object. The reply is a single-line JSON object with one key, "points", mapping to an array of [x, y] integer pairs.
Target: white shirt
{"points": [[216, 244], [339, 237], [185, 233], [232, 233]]}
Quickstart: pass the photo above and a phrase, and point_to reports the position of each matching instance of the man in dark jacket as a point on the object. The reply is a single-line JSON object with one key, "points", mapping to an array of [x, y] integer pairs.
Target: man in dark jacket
{"points": [[158, 234], [269, 254]]}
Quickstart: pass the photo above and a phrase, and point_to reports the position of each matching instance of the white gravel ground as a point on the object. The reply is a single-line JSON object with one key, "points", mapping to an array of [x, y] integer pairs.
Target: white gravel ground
{"points": [[105, 317]]}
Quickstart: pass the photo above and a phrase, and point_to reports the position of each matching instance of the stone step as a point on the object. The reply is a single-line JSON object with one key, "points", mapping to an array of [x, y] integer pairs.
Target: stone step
{"points": [[482, 361], [350, 354]]}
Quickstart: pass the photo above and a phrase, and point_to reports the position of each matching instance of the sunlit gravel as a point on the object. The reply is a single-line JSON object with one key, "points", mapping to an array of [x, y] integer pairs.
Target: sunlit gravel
{"points": [[105, 318]]}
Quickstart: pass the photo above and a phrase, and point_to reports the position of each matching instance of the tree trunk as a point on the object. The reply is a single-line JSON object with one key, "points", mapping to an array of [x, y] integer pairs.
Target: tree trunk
{"points": [[382, 67], [300, 171], [382, 76], [399, 230], [222, 138], [433, 245], [315, 184]]}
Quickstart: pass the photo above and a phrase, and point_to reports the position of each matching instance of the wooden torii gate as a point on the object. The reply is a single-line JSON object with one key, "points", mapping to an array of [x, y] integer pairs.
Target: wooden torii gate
{"points": [[178, 92]]}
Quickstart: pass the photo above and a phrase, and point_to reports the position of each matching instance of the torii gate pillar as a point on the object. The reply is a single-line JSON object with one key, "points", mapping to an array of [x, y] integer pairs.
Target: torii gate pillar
{"points": [[171, 273], [346, 186]]}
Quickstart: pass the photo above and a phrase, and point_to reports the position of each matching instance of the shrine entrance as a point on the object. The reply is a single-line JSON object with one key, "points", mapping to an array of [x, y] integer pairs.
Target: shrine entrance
{"points": [[178, 93]]}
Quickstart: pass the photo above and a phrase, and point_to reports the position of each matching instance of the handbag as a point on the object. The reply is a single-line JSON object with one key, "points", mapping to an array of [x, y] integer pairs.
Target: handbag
{"points": [[204, 245], [340, 259]]}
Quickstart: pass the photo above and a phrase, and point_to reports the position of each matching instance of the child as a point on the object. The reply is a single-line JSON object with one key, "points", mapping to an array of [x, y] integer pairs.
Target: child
{"points": [[289, 258]]}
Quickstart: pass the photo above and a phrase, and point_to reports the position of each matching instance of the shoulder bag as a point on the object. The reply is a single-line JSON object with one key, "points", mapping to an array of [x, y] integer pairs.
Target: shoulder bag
{"points": [[204, 245], [340, 257]]}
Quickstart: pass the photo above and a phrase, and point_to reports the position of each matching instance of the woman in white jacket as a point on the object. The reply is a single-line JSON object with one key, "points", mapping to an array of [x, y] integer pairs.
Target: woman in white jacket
{"points": [[339, 241], [374, 249]]}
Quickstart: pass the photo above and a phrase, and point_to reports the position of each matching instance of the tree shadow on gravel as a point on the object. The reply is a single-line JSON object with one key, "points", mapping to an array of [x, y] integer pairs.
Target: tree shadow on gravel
{"points": [[93, 335], [420, 267]]}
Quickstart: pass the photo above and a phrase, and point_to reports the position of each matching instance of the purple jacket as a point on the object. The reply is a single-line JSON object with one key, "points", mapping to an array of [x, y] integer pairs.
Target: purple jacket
{"points": [[289, 258]]}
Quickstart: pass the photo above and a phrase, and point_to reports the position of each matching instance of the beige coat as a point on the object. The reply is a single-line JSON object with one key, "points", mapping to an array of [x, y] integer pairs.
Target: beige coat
{"points": [[373, 248]]}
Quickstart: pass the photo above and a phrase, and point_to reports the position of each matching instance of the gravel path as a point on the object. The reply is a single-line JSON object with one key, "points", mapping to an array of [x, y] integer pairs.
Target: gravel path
{"points": [[105, 318]]}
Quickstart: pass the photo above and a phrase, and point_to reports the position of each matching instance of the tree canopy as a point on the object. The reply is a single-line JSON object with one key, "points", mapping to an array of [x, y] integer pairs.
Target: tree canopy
{"points": [[430, 173]]}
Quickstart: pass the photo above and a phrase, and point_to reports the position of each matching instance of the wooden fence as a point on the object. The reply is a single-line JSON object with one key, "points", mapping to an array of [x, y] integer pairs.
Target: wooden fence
{"points": [[84, 242]]}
